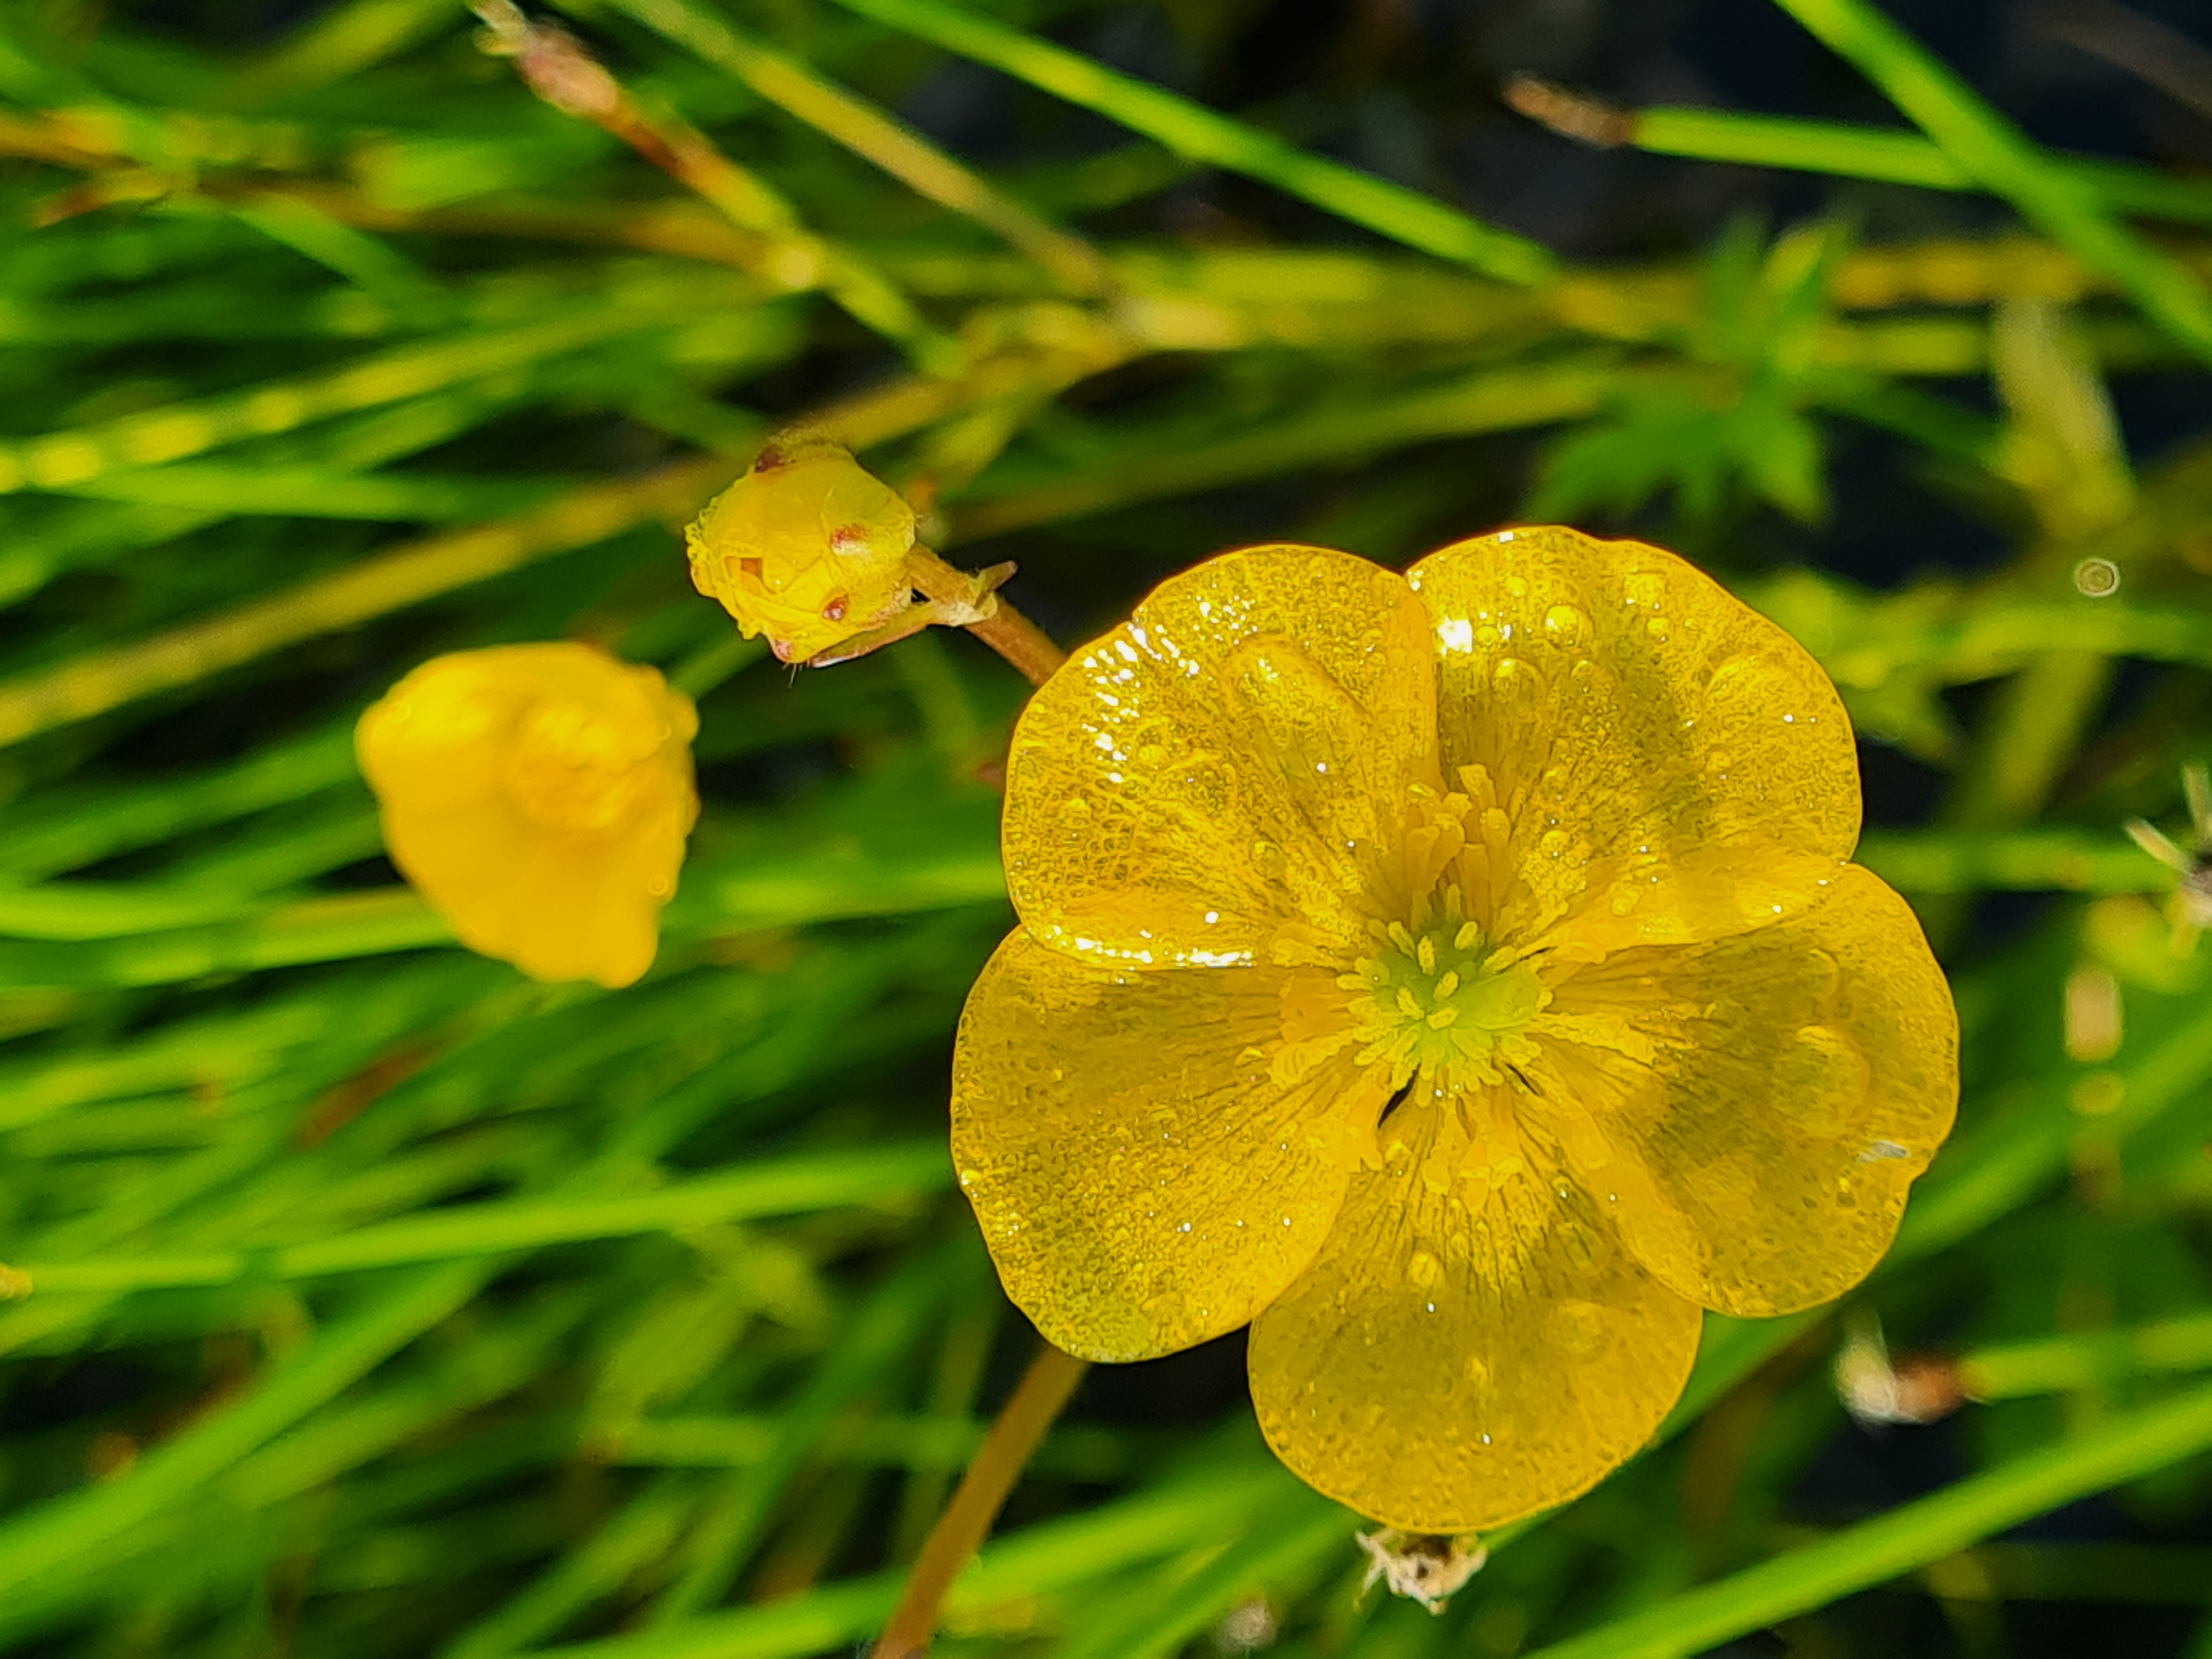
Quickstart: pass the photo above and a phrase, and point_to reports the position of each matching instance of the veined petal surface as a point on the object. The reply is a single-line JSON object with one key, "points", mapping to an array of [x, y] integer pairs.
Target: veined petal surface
{"points": [[1763, 1102], [1142, 1182], [1444, 1369], [1222, 761], [1676, 767]]}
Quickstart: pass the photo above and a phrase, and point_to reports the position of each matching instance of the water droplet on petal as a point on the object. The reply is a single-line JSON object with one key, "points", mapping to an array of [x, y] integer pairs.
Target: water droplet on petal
{"points": [[1821, 1080], [1423, 1271], [1567, 626], [1577, 1328]]}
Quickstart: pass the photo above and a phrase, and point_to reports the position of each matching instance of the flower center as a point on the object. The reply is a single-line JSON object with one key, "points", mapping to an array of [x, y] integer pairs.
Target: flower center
{"points": [[1444, 1000], [572, 768]]}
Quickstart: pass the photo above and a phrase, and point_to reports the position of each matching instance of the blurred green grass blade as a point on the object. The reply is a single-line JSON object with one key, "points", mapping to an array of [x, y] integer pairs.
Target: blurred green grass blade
{"points": [[230, 491], [72, 1533], [873, 1337], [369, 263], [1036, 1561], [642, 1534], [75, 830], [868, 132], [1490, 401], [327, 929], [62, 459], [227, 1050], [931, 1444], [1280, 1551], [340, 42], [1198, 134], [90, 909], [2122, 1449], [786, 1186], [1994, 152], [100, 681], [1966, 861], [1846, 150], [2053, 1364]]}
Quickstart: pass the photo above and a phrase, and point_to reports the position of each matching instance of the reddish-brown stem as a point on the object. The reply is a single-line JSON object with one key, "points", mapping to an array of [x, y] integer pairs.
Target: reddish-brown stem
{"points": [[1044, 1388], [1005, 630]]}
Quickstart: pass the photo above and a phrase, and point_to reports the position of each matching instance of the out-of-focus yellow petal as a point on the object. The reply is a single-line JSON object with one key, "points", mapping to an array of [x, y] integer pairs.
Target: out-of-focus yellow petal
{"points": [[538, 796], [1675, 766], [808, 548], [1442, 1371], [1142, 1182], [1222, 761], [1760, 1103]]}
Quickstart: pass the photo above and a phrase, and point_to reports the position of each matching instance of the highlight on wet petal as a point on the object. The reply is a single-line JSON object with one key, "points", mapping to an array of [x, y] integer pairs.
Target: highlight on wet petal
{"points": [[1675, 765], [1456, 1358], [1143, 1181], [538, 796], [1192, 780], [1760, 1105], [808, 548]]}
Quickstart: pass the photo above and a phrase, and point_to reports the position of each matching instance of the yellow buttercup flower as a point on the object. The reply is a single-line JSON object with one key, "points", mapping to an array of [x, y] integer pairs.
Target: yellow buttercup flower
{"points": [[538, 796], [807, 548], [1459, 976]]}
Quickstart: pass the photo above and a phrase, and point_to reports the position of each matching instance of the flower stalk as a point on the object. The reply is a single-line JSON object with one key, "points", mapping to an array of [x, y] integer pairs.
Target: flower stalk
{"points": [[1037, 1400]]}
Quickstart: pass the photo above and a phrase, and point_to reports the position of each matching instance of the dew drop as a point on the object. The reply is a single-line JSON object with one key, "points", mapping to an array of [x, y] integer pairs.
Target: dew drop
{"points": [[1488, 637], [1516, 586], [1423, 1271], [1823, 973], [1577, 1328], [1821, 1080], [1643, 588], [1267, 859], [1567, 626], [1514, 681], [1551, 843], [1658, 628]]}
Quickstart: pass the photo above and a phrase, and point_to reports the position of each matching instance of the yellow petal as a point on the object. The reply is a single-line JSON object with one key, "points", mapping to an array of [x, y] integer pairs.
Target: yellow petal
{"points": [[1190, 781], [1675, 766], [538, 796], [1142, 1182], [1762, 1102], [1445, 1370]]}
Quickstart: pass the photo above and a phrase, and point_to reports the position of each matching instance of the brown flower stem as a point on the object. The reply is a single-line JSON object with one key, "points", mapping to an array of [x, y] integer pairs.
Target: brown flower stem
{"points": [[1005, 630], [1044, 1388]]}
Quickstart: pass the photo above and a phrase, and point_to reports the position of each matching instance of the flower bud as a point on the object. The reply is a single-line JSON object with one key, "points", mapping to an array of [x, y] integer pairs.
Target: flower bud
{"points": [[537, 797], [808, 548]]}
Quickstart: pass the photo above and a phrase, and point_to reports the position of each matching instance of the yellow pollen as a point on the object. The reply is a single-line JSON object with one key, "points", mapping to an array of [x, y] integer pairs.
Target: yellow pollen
{"points": [[1466, 937], [1408, 1004], [1426, 954], [1447, 985]]}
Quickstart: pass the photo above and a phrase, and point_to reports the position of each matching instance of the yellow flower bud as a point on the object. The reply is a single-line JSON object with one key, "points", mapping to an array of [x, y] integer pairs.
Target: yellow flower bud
{"points": [[538, 796], [808, 548]]}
